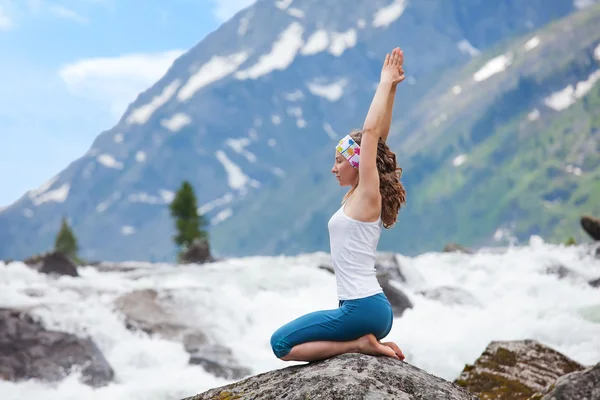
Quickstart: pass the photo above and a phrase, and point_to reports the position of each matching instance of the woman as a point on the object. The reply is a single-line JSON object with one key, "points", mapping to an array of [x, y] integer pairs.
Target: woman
{"points": [[364, 316]]}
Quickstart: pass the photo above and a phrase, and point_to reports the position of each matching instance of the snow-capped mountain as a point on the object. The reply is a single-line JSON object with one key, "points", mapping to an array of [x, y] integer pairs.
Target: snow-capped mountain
{"points": [[252, 110]]}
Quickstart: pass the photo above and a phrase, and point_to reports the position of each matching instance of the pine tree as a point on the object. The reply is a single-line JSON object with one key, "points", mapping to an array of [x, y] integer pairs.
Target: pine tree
{"points": [[188, 222], [66, 242]]}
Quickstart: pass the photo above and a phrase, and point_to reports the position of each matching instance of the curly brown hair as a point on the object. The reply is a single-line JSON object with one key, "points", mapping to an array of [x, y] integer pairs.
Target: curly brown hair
{"points": [[393, 194]]}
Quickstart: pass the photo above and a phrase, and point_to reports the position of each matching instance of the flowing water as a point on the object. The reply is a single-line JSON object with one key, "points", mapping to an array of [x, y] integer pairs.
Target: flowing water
{"points": [[242, 301]]}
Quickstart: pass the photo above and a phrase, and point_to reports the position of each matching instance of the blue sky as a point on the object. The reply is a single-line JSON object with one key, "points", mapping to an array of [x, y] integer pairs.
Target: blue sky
{"points": [[70, 67]]}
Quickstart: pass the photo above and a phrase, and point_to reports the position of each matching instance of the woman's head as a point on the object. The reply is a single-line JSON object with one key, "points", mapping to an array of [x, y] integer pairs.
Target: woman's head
{"points": [[393, 194]]}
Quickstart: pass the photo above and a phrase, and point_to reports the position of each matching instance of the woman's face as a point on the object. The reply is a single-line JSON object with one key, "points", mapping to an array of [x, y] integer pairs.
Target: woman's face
{"points": [[345, 173]]}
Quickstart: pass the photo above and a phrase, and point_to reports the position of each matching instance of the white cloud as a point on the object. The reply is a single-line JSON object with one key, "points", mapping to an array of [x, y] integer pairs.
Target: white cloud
{"points": [[116, 81], [225, 9], [5, 22], [67, 13]]}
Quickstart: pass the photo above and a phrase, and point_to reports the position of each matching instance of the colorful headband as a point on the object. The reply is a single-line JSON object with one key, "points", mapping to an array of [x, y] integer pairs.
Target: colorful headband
{"points": [[350, 150]]}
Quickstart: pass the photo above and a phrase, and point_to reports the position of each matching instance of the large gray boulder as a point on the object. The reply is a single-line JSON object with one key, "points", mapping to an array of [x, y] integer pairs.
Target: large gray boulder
{"points": [[515, 370], [580, 385], [28, 350], [344, 377]]}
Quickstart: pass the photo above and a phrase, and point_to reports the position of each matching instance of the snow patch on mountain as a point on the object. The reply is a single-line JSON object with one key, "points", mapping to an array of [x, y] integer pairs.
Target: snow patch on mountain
{"points": [[57, 195], [142, 114], [176, 122], [493, 67], [109, 161], [221, 216], [342, 41], [565, 98], [386, 15], [283, 4], [239, 146], [211, 205], [531, 43], [332, 91], [282, 54], [316, 43], [215, 69], [464, 46], [236, 179]]}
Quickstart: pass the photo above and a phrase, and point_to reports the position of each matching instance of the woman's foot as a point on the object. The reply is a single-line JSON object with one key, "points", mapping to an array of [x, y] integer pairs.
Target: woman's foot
{"points": [[396, 349], [368, 344]]}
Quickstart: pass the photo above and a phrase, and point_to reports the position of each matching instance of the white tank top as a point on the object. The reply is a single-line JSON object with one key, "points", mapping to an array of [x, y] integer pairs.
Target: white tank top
{"points": [[353, 251]]}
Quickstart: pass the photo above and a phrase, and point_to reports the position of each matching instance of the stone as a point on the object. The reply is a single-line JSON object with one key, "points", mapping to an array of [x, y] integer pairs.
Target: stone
{"points": [[53, 263], [343, 377], [219, 361], [580, 385], [451, 296], [147, 311], [515, 370], [591, 226], [456, 248], [197, 253], [28, 350]]}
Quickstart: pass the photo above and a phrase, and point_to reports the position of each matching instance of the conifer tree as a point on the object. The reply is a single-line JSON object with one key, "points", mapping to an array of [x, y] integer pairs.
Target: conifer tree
{"points": [[66, 242], [188, 223]]}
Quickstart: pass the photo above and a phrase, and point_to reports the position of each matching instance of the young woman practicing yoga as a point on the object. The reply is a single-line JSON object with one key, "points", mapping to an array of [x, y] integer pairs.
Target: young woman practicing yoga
{"points": [[364, 315]]}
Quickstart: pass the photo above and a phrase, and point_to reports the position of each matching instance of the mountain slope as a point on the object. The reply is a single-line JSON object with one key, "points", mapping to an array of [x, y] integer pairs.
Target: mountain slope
{"points": [[251, 113], [492, 153]]}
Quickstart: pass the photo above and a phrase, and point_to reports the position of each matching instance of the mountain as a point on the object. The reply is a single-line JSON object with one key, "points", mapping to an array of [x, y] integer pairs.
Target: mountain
{"points": [[251, 113]]}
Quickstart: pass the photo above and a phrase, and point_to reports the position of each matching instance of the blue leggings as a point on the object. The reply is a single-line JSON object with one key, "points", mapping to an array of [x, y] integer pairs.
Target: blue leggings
{"points": [[351, 320]]}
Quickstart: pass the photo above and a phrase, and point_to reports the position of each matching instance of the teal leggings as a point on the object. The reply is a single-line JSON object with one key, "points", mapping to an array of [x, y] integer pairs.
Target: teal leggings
{"points": [[351, 320]]}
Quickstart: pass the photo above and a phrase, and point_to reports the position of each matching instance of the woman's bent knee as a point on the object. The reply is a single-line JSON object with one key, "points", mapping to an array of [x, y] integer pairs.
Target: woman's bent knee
{"points": [[279, 345]]}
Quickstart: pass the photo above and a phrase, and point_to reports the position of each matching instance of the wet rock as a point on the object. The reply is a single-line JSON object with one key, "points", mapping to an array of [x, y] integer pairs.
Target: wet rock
{"points": [[197, 253], [456, 248], [54, 263], [591, 226], [580, 385], [28, 350], [217, 360], [515, 370], [595, 283], [347, 377], [450, 296], [145, 310]]}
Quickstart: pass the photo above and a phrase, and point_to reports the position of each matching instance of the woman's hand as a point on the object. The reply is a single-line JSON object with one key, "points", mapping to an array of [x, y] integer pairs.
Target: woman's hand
{"points": [[392, 71]]}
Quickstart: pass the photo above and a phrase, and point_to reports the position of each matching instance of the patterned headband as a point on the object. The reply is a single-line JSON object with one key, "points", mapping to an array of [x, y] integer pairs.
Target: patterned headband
{"points": [[348, 148]]}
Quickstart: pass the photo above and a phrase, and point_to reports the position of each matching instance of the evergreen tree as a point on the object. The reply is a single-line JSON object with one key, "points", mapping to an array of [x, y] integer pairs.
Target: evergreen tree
{"points": [[188, 222], [66, 242]]}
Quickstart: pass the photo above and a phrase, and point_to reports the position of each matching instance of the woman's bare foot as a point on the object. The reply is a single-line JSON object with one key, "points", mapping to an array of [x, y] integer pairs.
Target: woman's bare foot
{"points": [[396, 349], [368, 344]]}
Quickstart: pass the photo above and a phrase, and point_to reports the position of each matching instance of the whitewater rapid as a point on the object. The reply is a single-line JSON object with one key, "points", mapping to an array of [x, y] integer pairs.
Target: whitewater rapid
{"points": [[242, 301]]}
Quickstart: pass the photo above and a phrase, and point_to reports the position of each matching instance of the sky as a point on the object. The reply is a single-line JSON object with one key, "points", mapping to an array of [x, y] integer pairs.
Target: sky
{"points": [[69, 68]]}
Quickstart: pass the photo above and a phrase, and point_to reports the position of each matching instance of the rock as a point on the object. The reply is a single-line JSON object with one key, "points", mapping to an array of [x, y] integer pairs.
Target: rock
{"points": [[456, 248], [450, 295], [28, 350], [515, 370], [197, 253], [591, 225], [146, 311], [387, 271], [219, 361], [347, 377], [54, 263], [595, 283], [580, 385]]}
